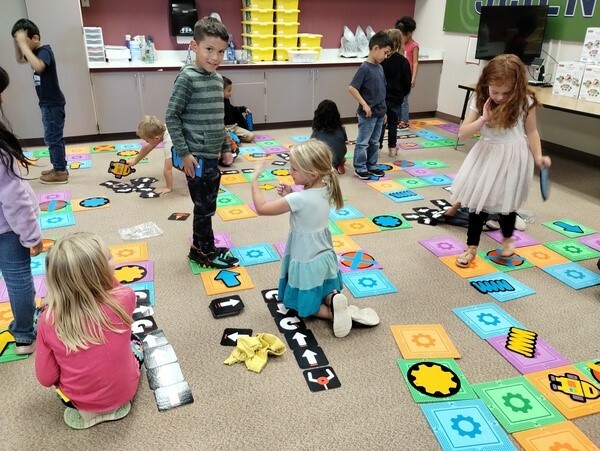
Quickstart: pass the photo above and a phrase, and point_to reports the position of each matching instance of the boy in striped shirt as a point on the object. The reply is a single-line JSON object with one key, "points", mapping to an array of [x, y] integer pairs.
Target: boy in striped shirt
{"points": [[195, 121]]}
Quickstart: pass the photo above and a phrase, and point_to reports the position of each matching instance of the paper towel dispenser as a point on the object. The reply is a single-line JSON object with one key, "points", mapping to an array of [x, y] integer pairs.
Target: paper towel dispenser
{"points": [[183, 15]]}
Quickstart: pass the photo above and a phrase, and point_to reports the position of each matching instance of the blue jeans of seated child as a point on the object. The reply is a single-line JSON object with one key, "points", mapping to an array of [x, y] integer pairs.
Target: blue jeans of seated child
{"points": [[15, 264], [53, 118], [367, 143], [405, 109], [204, 191], [393, 113]]}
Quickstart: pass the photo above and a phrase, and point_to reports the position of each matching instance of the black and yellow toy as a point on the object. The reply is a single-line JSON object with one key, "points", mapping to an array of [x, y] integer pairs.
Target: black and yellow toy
{"points": [[120, 168]]}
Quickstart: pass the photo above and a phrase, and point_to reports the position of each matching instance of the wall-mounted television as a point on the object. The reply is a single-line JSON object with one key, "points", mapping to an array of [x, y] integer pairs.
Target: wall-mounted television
{"points": [[511, 29]]}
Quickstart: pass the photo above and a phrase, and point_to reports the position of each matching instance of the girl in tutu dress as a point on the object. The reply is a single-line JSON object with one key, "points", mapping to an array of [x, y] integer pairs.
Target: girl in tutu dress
{"points": [[496, 174], [310, 280]]}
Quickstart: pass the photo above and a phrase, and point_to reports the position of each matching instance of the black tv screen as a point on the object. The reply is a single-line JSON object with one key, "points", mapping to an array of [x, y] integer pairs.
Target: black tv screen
{"points": [[511, 29]]}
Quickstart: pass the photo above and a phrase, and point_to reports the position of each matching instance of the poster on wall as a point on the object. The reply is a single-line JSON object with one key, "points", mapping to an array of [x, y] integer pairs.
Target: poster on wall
{"points": [[567, 20]]}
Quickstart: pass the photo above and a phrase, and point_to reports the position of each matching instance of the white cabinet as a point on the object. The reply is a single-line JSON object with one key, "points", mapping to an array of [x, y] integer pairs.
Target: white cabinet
{"points": [[293, 94], [249, 90], [423, 97], [122, 98]]}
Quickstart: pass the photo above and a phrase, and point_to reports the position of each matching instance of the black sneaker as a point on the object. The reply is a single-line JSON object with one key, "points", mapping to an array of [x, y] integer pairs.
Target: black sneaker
{"points": [[377, 172], [220, 258], [363, 175]]}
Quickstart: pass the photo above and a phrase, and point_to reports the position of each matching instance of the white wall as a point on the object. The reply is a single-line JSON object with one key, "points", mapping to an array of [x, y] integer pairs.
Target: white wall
{"points": [[568, 130]]}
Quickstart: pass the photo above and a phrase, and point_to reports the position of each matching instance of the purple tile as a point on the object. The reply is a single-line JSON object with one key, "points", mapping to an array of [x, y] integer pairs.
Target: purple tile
{"points": [[223, 240], [449, 127], [443, 245], [78, 157], [280, 246], [451, 175], [262, 138], [520, 239], [57, 195], [39, 282], [545, 356], [275, 150], [420, 172], [3, 292], [592, 241]]}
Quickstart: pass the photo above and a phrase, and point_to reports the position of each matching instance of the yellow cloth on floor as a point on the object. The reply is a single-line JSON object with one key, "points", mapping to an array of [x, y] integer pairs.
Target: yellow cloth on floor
{"points": [[254, 351]]}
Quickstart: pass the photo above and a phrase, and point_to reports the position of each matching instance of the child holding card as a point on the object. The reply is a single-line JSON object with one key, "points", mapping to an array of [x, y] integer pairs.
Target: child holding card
{"points": [[84, 345]]}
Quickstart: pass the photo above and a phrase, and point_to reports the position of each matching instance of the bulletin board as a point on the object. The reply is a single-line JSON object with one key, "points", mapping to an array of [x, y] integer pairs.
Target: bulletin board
{"points": [[567, 20]]}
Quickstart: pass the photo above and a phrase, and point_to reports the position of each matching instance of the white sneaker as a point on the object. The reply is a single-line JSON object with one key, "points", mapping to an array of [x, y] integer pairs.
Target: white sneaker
{"points": [[342, 323], [365, 316]]}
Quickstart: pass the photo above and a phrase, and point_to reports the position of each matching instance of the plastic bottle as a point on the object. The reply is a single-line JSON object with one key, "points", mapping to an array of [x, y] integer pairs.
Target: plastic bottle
{"points": [[136, 51], [149, 56], [249, 121]]}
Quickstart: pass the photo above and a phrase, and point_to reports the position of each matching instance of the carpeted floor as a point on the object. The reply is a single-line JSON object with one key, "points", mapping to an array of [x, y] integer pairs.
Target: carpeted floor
{"points": [[373, 408]]}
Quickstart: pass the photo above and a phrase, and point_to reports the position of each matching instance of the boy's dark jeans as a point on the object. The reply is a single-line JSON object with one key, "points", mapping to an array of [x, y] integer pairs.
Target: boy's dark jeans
{"points": [[53, 119], [204, 191]]}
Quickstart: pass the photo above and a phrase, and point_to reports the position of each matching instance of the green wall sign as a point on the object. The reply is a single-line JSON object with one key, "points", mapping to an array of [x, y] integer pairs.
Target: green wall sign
{"points": [[567, 19]]}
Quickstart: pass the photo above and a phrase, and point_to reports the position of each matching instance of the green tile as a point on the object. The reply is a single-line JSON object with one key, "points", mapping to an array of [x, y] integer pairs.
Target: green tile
{"points": [[569, 228], [573, 250], [412, 182]]}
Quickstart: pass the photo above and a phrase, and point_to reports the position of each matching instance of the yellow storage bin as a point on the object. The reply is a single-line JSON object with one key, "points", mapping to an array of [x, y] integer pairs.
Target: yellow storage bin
{"points": [[258, 15], [258, 27], [282, 53], [257, 4], [260, 53], [309, 40], [286, 4], [287, 16], [258, 40], [283, 40], [286, 28]]}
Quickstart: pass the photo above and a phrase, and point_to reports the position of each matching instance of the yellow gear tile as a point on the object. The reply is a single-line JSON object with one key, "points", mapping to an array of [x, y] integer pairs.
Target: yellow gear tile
{"points": [[130, 252], [288, 180], [357, 226], [386, 185], [565, 434], [236, 212], [343, 243], [424, 341], [541, 256], [477, 267], [6, 315], [77, 150], [226, 280], [563, 383], [232, 179]]}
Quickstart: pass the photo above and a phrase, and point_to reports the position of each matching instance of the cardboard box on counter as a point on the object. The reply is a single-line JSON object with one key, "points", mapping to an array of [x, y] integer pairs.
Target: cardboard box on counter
{"points": [[590, 84], [568, 78]]}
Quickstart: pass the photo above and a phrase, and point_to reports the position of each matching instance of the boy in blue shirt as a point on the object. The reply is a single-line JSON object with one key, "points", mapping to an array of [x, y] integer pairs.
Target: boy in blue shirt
{"points": [[368, 88], [195, 121], [29, 49]]}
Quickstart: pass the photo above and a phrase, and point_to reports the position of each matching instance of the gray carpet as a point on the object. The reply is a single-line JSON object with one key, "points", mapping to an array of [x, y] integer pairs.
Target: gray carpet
{"points": [[237, 409]]}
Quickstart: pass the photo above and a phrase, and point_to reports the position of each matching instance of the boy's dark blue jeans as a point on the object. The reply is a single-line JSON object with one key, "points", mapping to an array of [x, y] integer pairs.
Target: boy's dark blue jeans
{"points": [[204, 191], [53, 119]]}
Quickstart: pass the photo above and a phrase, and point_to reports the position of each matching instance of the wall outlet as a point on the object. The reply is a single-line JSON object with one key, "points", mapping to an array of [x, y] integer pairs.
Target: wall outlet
{"points": [[85, 3]]}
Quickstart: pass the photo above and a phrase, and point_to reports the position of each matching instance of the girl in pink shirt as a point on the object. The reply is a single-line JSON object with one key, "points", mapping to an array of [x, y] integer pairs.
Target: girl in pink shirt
{"points": [[407, 26], [84, 336]]}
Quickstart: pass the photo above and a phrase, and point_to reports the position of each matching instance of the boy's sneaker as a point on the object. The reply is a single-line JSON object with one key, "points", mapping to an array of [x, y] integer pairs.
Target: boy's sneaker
{"points": [[377, 172], [220, 258], [55, 178], [49, 171], [363, 175]]}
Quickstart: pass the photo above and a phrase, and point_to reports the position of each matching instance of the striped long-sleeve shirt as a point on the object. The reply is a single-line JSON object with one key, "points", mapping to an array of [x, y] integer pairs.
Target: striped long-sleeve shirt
{"points": [[195, 114]]}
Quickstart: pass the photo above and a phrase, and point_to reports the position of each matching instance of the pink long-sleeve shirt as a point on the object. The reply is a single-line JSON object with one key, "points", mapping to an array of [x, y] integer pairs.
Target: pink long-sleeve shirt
{"points": [[97, 379]]}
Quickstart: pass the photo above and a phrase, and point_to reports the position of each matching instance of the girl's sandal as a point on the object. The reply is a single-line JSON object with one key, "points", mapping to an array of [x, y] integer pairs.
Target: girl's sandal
{"points": [[465, 259]]}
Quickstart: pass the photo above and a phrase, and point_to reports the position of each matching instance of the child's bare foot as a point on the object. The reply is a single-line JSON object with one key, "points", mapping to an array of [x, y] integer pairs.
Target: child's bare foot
{"points": [[508, 248], [164, 190]]}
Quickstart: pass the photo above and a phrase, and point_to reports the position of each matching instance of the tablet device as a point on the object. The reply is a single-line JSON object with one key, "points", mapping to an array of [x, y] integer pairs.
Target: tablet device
{"points": [[545, 183], [178, 163]]}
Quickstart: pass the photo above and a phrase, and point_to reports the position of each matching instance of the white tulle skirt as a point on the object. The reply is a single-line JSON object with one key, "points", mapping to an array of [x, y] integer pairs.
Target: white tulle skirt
{"points": [[495, 177]]}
